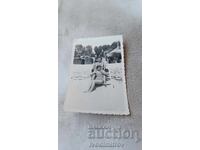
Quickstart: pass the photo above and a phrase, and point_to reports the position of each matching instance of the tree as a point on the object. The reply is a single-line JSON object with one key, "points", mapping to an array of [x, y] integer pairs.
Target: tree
{"points": [[78, 50], [88, 50], [98, 51], [106, 47], [78, 47], [114, 45]]}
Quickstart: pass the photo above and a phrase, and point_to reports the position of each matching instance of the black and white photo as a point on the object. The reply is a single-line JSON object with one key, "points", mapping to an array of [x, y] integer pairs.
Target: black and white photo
{"points": [[97, 77]]}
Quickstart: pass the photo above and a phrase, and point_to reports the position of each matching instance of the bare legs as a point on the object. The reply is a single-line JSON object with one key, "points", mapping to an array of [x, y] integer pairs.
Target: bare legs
{"points": [[94, 83], [92, 86]]}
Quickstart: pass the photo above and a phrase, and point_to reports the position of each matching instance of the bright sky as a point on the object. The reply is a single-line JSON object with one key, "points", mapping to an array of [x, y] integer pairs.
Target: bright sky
{"points": [[97, 41]]}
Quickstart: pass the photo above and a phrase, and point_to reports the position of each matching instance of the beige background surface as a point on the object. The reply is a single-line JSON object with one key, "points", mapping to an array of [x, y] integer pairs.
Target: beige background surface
{"points": [[92, 18]]}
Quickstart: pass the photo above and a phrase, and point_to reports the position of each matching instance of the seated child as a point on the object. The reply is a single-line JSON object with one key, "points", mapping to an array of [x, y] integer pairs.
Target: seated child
{"points": [[98, 78]]}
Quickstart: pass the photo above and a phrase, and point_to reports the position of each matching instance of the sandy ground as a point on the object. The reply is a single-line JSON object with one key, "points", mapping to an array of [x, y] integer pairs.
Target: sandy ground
{"points": [[109, 98]]}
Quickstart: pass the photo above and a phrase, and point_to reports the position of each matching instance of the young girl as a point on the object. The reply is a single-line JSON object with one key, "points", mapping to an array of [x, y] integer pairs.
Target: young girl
{"points": [[98, 77]]}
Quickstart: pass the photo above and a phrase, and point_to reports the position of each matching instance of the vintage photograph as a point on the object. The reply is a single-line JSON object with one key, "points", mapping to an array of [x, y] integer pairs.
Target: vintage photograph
{"points": [[97, 77]]}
